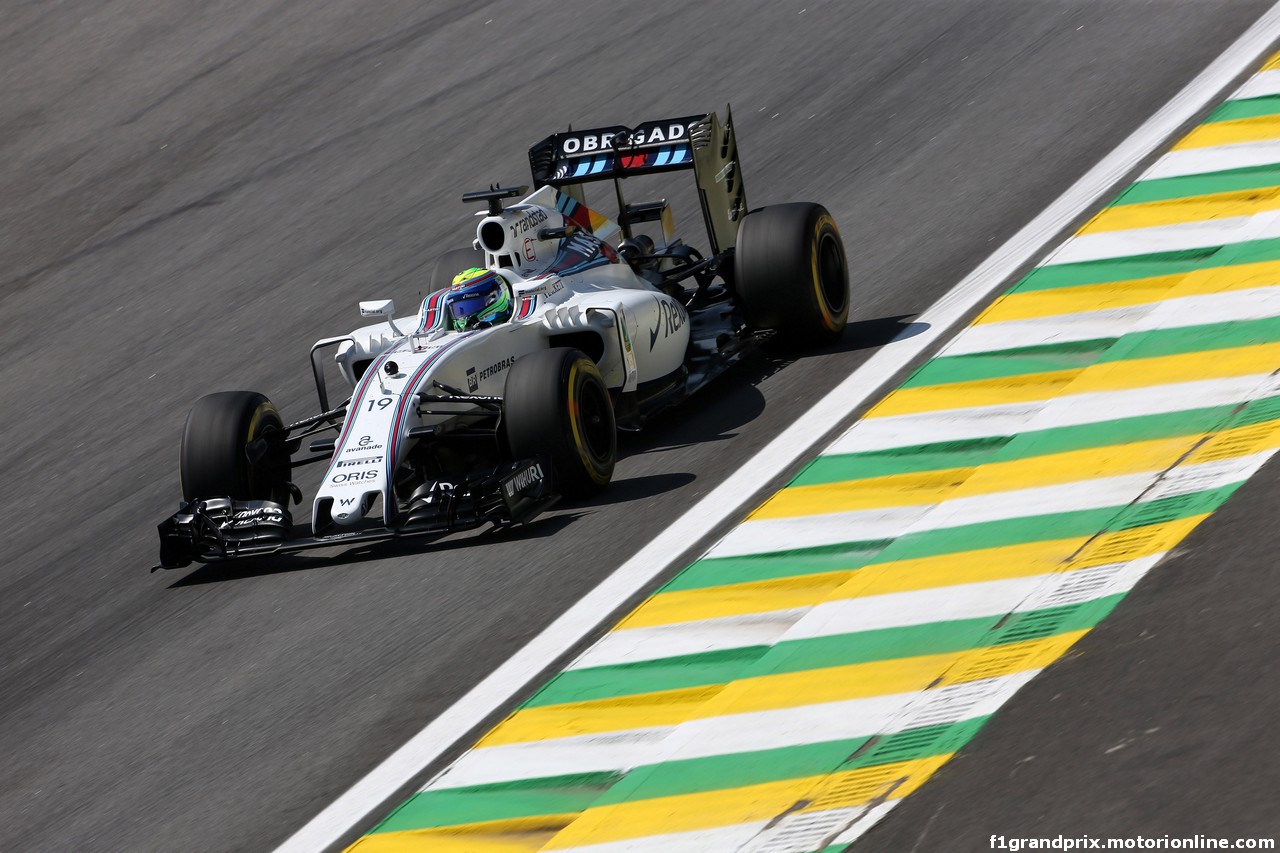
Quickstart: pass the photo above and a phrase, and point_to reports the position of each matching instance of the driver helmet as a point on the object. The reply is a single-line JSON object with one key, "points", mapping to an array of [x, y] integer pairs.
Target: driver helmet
{"points": [[477, 296]]}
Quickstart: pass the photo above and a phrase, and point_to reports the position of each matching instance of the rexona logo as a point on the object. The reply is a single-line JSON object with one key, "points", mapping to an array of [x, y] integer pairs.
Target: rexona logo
{"points": [[522, 480], [495, 369]]}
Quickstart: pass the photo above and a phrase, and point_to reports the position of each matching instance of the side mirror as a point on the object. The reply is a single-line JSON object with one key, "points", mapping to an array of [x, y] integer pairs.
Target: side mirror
{"points": [[378, 308], [385, 308]]}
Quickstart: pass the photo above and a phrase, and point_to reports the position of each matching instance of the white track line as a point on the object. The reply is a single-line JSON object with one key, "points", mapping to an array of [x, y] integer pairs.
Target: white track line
{"points": [[741, 489]]}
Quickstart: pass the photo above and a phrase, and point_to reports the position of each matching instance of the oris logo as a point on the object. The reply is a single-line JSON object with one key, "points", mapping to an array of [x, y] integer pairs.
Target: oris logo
{"points": [[353, 477]]}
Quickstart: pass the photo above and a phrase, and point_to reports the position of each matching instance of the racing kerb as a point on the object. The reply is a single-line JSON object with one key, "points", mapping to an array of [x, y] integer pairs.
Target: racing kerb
{"points": [[939, 554]]}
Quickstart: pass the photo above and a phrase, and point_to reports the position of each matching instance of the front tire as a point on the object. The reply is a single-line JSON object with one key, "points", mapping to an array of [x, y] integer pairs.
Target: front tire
{"points": [[557, 406], [215, 458], [791, 273]]}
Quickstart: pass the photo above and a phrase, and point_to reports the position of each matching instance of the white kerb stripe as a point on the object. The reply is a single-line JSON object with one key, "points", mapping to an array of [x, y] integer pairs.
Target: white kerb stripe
{"points": [[614, 751], [727, 734], [719, 838], [865, 612], [1259, 86], [987, 599], [1181, 313], [1218, 158], [759, 537], [1007, 419], [865, 821], [1183, 236], [806, 831], [689, 638]]}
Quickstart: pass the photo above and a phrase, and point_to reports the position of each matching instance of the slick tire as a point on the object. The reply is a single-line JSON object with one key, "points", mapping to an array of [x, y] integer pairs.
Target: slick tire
{"points": [[556, 406], [791, 273], [215, 457]]}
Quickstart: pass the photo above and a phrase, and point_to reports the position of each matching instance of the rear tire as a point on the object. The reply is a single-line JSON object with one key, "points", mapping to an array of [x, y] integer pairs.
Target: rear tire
{"points": [[791, 273], [557, 406], [214, 460]]}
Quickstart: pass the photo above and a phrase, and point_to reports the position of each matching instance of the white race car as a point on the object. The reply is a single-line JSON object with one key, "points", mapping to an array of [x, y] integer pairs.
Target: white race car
{"points": [[506, 389]]}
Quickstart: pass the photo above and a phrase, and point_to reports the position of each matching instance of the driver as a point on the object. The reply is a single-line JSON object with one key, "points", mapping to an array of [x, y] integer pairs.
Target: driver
{"points": [[477, 297]]}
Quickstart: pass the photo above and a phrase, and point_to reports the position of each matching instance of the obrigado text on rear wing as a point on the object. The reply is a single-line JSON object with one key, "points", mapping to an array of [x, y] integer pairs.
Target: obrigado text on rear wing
{"points": [[700, 142]]}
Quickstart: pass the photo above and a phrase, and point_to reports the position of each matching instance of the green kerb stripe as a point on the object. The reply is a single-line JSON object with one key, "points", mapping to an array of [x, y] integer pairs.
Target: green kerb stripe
{"points": [[726, 571], [719, 571], [718, 668], [569, 794], [1267, 105], [1002, 364], [915, 459], [1210, 339], [503, 801], [971, 367], [1041, 528], [1148, 266], [696, 775], [919, 459], [1189, 186]]}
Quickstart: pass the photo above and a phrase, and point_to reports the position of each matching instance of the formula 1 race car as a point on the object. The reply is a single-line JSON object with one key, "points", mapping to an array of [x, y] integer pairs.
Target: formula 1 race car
{"points": [[505, 391]]}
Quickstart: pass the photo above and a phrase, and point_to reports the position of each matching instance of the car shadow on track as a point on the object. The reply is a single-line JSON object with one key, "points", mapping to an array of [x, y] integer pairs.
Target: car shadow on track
{"points": [[635, 489], [717, 412]]}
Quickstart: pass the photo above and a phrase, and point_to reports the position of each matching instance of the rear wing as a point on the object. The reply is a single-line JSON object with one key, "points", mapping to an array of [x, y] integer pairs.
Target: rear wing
{"points": [[571, 159]]}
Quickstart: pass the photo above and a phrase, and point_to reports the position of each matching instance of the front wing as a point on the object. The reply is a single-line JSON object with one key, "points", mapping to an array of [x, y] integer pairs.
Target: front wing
{"points": [[214, 529]]}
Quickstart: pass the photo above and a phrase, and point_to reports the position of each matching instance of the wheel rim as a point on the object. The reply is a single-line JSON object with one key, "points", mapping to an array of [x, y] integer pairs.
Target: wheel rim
{"points": [[832, 279], [594, 423]]}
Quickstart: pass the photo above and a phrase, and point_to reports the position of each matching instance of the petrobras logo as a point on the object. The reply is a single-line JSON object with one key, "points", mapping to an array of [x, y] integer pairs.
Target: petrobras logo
{"points": [[495, 369]]}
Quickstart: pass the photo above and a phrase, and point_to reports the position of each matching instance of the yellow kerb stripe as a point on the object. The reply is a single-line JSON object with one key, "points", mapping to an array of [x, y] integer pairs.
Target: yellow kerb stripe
{"points": [[985, 564], [751, 803], [1033, 304], [1255, 129], [763, 693], [518, 835], [1120, 294], [1177, 211], [1110, 376], [936, 486]]}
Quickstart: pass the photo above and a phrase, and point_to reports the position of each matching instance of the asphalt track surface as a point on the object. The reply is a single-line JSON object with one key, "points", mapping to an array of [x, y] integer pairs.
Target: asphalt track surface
{"points": [[191, 193]]}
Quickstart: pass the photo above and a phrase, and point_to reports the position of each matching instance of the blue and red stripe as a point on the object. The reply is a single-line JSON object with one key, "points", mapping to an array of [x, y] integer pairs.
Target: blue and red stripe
{"points": [[402, 411]]}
